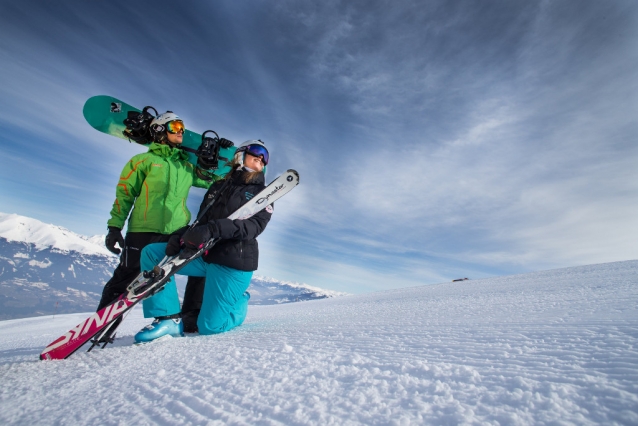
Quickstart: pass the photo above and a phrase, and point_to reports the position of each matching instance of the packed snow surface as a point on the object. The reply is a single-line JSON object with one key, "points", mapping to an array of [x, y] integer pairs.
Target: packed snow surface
{"points": [[14, 227], [554, 347]]}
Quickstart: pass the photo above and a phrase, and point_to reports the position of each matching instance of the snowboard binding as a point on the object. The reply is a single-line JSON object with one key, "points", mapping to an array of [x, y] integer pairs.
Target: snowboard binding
{"points": [[208, 154], [137, 125]]}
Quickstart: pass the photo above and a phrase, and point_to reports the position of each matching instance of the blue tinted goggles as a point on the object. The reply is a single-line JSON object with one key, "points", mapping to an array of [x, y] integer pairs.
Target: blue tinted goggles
{"points": [[258, 151]]}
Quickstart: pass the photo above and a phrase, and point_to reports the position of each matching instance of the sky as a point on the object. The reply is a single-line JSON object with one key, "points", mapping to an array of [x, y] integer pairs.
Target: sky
{"points": [[434, 139]]}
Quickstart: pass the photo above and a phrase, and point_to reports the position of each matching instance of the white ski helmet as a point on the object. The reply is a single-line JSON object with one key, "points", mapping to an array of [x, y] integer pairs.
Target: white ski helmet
{"points": [[241, 151], [157, 128]]}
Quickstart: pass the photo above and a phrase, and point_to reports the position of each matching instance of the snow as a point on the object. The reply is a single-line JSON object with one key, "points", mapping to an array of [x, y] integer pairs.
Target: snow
{"points": [[40, 264], [298, 286], [14, 227], [553, 347]]}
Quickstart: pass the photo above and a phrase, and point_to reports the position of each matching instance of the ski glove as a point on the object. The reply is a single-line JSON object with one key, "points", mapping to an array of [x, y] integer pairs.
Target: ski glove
{"points": [[174, 245], [196, 237], [114, 236], [225, 143]]}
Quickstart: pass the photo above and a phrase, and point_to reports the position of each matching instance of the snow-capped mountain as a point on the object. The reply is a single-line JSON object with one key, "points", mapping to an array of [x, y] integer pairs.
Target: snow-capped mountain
{"points": [[268, 291], [16, 228], [46, 269]]}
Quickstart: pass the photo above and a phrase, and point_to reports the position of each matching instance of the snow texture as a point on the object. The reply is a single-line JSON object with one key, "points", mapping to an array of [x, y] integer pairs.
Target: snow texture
{"points": [[554, 347], [14, 227]]}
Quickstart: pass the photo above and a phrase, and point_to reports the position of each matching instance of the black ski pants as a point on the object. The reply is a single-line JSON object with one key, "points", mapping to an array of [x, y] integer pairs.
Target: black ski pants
{"points": [[193, 297], [129, 269]]}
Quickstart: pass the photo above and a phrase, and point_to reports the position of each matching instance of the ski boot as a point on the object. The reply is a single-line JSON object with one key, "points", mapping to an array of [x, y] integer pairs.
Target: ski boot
{"points": [[160, 327]]}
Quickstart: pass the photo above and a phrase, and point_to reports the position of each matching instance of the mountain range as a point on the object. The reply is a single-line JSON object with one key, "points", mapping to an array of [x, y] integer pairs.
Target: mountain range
{"points": [[46, 270]]}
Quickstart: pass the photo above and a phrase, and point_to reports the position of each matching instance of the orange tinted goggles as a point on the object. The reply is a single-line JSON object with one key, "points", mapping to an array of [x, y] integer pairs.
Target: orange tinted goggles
{"points": [[175, 126]]}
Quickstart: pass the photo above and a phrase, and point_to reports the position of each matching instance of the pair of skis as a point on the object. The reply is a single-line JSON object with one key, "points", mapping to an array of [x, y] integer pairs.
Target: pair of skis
{"points": [[103, 323]]}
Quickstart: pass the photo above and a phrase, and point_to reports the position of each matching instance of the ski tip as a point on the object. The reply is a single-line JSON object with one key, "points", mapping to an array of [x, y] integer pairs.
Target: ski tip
{"points": [[293, 171], [48, 357]]}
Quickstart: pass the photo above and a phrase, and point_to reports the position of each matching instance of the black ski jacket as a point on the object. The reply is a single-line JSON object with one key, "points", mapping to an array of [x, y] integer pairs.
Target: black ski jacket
{"points": [[238, 248]]}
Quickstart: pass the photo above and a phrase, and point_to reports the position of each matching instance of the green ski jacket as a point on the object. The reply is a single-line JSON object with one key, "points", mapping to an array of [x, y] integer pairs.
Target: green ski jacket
{"points": [[155, 185]]}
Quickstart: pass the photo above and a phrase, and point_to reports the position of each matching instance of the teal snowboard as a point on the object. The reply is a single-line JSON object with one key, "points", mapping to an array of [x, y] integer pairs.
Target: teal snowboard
{"points": [[107, 114]]}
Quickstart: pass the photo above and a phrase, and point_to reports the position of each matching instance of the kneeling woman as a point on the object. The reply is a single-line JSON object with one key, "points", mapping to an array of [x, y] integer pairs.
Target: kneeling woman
{"points": [[228, 266]]}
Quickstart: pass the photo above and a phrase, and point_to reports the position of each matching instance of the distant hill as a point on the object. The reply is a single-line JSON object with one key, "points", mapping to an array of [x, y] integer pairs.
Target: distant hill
{"points": [[268, 291], [47, 269]]}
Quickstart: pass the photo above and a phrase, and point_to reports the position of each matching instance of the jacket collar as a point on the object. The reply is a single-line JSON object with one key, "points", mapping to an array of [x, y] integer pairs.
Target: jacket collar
{"points": [[239, 177], [167, 151]]}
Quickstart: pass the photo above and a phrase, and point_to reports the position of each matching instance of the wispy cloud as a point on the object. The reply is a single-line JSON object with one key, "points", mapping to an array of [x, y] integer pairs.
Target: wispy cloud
{"points": [[434, 140]]}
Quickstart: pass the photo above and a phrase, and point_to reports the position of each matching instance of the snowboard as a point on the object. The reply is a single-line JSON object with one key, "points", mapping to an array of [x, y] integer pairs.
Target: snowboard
{"points": [[107, 114]]}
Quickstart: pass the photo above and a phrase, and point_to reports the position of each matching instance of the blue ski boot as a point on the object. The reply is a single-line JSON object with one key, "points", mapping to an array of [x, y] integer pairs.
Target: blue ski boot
{"points": [[160, 328]]}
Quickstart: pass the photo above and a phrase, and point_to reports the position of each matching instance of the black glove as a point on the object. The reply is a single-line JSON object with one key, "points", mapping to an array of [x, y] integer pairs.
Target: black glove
{"points": [[225, 143], [114, 236], [174, 245], [195, 238]]}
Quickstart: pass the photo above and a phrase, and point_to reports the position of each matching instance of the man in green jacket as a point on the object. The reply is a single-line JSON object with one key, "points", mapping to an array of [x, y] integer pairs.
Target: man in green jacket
{"points": [[155, 186]]}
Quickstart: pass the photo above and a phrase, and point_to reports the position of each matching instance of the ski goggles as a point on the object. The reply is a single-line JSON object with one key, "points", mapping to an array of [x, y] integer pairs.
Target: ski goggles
{"points": [[258, 151], [175, 126]]}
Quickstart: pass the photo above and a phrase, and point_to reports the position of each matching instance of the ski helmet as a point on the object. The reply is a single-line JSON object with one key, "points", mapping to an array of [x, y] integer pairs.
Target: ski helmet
{"points": [[157, 128], [241, 152]]}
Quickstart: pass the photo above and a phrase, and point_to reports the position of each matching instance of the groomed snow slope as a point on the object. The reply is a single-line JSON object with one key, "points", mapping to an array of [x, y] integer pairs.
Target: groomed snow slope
{"points": [[555, 347]]}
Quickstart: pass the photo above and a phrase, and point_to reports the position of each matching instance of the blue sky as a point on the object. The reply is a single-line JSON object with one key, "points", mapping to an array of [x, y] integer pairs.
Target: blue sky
{"points": [[434, 139]]}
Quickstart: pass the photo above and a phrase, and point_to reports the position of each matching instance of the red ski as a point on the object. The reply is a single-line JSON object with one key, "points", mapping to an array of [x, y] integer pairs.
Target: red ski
{"points": [[75, 338]]}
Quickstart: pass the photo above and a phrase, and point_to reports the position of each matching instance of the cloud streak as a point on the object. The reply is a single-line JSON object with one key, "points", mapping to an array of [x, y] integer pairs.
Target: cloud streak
{"points": [[434, 140]]}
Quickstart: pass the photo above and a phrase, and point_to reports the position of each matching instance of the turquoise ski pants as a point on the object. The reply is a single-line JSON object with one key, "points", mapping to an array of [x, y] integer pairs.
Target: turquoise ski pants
{"points": [[225, 301]]}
